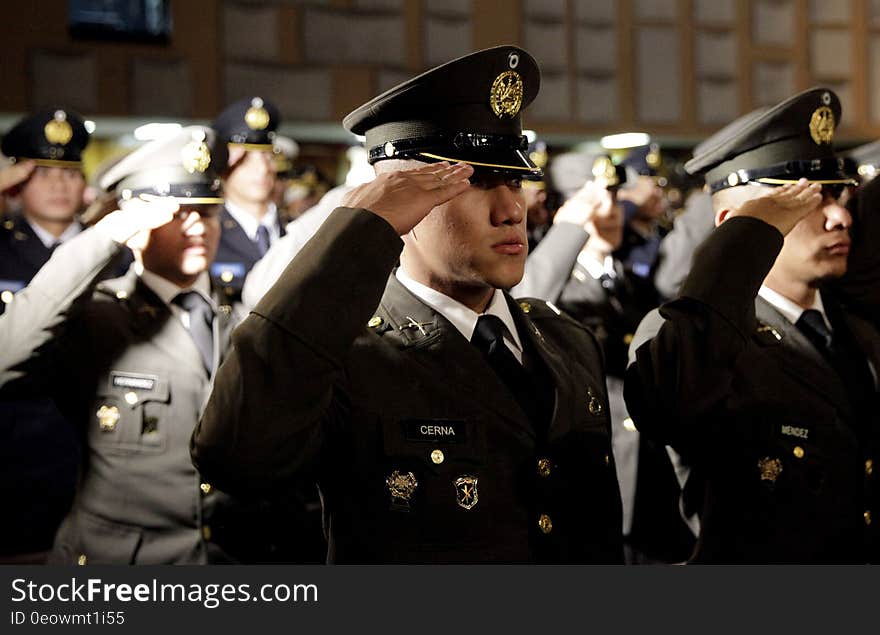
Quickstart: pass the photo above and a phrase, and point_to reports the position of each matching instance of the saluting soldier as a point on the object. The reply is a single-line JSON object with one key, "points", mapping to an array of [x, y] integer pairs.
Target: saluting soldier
{"points": [[756, 377], [38, 447], [249, 220], [443, 421], [130, 360], [50, 143]]}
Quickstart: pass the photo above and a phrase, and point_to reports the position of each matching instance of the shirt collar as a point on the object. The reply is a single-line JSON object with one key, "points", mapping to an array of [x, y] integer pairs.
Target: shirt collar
{"points": [[791, 310], [461, 317], [167, 290], [249, 223], [48, 239]]}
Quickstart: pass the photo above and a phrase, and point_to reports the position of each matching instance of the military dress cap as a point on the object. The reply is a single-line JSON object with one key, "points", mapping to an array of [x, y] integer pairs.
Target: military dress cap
{"points": [[568, 172], [466, 110], [53, 138], [250, 122], [185, 166], [643, 160], [777, 145]]}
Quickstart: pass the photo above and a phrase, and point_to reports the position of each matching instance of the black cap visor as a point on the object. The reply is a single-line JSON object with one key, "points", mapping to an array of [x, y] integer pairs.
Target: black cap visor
{"points": [[826, 171]]}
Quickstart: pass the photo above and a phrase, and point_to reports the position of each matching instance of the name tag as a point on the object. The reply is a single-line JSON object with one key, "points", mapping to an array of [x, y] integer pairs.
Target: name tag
{"points": [[133, 381], [436, 430], [794, 431]]}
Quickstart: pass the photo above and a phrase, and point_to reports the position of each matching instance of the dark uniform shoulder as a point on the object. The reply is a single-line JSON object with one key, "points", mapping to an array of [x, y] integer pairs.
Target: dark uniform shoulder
{"points": [[538, 310]]}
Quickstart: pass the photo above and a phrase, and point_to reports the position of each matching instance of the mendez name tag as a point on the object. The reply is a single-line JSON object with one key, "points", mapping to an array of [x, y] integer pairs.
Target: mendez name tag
{"points": [[794, 431], [133, 381], [436, 430]]}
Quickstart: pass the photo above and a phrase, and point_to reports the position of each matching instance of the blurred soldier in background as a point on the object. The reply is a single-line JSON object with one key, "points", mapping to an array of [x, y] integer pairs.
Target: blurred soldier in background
{"points": [[249, 220]]}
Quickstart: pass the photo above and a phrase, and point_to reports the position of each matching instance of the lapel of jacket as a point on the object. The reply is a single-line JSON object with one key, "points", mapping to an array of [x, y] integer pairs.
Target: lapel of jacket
{"points": [[234, 239], [438, 346], [799, 358]]}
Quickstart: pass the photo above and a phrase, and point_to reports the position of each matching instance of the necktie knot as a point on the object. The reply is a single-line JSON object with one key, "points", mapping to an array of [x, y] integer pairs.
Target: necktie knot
{"points": [[813, 325], [263, 239], [488, 333], [191, 301]]}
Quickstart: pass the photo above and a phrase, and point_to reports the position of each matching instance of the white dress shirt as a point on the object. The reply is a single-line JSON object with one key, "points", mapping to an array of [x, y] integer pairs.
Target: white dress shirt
{"points": [[461, 317], [789, 309], [250, 224], [49, 239]]}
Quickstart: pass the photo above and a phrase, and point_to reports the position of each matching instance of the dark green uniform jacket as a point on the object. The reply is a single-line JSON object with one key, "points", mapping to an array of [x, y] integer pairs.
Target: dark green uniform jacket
{"points": [[421, 453], [780, 448]]}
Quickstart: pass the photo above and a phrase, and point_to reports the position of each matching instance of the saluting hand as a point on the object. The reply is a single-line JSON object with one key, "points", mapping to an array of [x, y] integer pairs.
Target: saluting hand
{"points": [[131, 225], [405, 197], [783, 207], [12, 175], [592, 201]]}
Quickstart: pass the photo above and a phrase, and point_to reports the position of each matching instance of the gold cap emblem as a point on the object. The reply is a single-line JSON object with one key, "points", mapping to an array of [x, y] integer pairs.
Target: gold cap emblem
{"points": [[603, 168], [505, 96], [770, 469], [108, 416], [822, 125], [58, 131], [256, 117], [195, 155], [466, 491]]}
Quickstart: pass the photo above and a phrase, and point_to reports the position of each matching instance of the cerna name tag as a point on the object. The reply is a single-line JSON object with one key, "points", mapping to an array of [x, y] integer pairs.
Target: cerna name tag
{"points": [[435, 430]]}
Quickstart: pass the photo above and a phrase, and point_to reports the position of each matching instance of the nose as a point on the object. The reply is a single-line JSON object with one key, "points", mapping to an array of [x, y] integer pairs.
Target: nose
{"points": [[837, 217], [508, 205]]}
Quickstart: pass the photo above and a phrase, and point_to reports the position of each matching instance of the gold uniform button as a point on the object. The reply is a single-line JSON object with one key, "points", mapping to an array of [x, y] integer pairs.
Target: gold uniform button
{"points": [[607, 460], [206, 488], [81, 561], [628, 338], [798, 452], [867, 515], [131, 398], [8, 224], [7, 296], [206, 532], [544, 467], [525, 306], [437, 457], [227, 276], [375, 322], [121, 295], [869, 467], [545, 524]]}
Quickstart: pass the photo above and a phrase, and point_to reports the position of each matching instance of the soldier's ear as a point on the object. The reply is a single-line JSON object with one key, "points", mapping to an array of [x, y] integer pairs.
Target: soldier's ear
{"points": [[721, 215]]}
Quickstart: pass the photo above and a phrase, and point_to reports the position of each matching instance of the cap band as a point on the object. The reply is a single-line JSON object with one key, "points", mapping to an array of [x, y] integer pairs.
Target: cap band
{"points": [[826, 170]]}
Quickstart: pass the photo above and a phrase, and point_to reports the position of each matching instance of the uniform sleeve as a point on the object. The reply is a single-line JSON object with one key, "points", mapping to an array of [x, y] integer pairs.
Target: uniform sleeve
{"points": [[549, 267], [683, 357], [40, 311], [279, 389]]}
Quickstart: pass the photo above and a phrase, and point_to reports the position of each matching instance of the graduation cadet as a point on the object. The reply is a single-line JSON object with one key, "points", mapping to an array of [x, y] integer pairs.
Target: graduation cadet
{"points": [[249, 218], [130, 359], [764, 385], [50, 142], [443, 421]]}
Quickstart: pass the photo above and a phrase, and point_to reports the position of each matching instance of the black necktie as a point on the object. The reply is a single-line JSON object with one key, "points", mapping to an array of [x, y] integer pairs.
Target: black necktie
{"points": [[262, 239], [201, 320], [813, 326], [488, 338]]}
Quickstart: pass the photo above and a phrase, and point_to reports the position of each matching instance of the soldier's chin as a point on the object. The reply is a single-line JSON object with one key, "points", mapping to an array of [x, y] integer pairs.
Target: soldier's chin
{"points": [[194, 265]]}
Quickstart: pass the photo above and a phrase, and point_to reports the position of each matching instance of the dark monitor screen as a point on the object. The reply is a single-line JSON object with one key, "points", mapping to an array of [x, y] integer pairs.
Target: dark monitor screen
{"points": [[131, 20]]}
